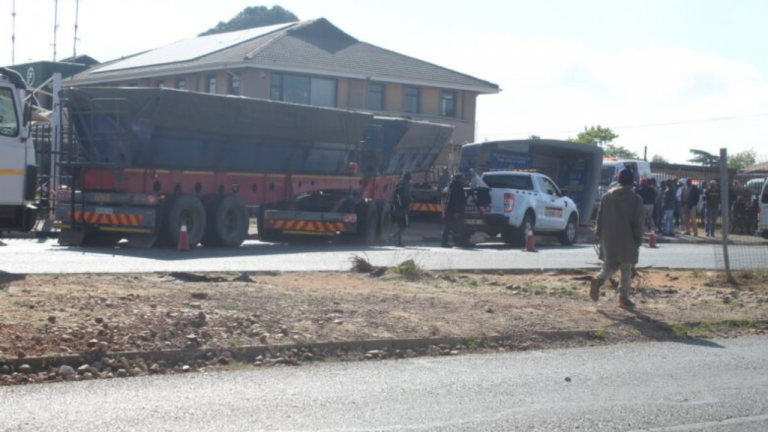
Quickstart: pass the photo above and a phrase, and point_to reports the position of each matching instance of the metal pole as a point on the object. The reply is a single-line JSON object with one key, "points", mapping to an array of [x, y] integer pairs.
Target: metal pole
{"points": [[74, 46], [724, 201], [56, 141], [13, 34], [55, 26]]}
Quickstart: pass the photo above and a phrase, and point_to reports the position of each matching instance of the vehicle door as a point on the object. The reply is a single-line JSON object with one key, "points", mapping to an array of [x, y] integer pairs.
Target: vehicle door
{"points": [[12, 150], [553, 215]]}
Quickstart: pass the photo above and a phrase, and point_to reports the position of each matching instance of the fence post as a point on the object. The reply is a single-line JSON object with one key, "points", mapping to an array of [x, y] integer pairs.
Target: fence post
{"points": [[726, 210]]}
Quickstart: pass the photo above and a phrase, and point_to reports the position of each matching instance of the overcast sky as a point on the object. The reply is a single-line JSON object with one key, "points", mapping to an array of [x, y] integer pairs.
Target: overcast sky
{"points": [[562, 64]]}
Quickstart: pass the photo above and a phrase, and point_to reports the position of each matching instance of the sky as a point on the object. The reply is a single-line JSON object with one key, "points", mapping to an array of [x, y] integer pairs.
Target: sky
{"points": [[669, 75]]}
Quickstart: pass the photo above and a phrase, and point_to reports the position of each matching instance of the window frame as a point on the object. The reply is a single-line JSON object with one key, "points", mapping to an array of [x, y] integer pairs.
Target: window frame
{"points": [[546, 180], [15, 109], [406, 96], [280, 88], [231, 84], [443, 94], [382, 93], [211, 79], [180, 84]]}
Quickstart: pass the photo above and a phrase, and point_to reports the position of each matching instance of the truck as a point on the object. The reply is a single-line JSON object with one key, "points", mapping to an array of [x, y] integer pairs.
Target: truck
{"points": [[18, 171], [511, 203], [147, 161]]}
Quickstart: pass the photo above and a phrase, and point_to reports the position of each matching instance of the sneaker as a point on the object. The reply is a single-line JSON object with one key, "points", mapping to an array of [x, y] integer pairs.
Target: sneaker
{"points": [[626, 304], [594, 289]]}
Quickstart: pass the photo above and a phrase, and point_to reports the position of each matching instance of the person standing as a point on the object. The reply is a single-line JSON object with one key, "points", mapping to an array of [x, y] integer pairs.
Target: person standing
{"points": [[619, 230], [453, 215], [669, 205], [658, 206], [444, 180], [713, 197], [691, 197], [401, 208], [679, 204], [648, 194]]}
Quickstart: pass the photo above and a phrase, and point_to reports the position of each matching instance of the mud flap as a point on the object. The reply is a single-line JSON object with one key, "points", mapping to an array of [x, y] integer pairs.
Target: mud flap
{"points": [[68, 237], [142, 241]]}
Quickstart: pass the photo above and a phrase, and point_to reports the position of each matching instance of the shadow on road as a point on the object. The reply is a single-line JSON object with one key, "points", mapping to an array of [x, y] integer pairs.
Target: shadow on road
{"points": [[654, 329], [8, 278]]}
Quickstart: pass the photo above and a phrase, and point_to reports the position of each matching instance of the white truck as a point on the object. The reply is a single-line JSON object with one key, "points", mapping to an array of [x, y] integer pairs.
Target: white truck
{"points": [[18, 172], [515, 201]]}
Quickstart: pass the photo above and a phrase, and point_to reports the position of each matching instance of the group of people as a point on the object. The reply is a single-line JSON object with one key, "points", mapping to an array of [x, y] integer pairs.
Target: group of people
{"points": [[453, 207]]}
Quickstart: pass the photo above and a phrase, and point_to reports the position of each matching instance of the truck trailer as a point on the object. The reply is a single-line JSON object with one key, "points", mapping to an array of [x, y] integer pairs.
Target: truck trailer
{"points": [[18, 171], [149, 160]]}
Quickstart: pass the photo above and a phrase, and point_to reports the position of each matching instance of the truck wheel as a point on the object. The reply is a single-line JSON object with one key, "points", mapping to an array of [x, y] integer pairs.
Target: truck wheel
{"points": [[227, 222], [187, 208], [367, 224], [385, 220], [568, 235]]}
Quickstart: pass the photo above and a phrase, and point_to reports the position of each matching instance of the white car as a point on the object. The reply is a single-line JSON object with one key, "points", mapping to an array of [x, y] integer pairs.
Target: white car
{"points": [[515, 201]]}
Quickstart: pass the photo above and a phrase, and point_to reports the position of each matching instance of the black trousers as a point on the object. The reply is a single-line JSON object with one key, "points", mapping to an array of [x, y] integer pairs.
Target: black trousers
{"points": [[453, 223]]}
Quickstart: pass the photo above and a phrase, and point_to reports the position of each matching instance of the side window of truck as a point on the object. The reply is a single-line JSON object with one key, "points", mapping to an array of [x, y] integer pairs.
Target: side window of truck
{"points": [[9, 123], [550, 187]]}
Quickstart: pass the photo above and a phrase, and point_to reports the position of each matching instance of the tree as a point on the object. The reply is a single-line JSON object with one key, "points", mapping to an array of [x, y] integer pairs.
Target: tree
{"points": [[534, 137], [659, 159], [254, 16], [741, 160], [595, 135], [701, 157], [620, 152]]}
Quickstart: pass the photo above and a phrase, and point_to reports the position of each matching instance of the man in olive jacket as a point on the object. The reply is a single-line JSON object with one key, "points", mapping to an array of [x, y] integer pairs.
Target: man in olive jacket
{"points": [[620, 222]]}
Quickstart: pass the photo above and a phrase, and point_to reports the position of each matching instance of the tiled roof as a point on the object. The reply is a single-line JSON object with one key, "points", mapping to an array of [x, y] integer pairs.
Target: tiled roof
{"points": [[315, 46]]}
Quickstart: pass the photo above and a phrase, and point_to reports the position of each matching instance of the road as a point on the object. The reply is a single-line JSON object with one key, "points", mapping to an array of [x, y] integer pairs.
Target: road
{"points": [[45, 256], [708, 386]]}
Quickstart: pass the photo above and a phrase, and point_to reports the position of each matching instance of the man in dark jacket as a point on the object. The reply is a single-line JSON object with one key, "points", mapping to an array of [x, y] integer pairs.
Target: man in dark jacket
{"points": [[401, 208], [713, 199], [648, 194], [691, 197], [620, 232], [669, 205], [453, 217]]}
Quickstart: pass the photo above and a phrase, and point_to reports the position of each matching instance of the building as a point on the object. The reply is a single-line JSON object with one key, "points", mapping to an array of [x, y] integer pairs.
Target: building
{"points": [[310, 62]]}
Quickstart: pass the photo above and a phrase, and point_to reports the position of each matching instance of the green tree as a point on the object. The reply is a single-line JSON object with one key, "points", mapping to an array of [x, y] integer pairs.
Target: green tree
{"points": [[534, 137], [741, 160], [611, 150], [701, 157], [659, 159], [254, 16], [595, 135]]}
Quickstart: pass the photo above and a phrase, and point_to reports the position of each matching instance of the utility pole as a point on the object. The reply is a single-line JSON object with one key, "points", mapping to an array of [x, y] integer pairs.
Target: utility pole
{"points": [[74, 46], [13, 34], [55, 26]]}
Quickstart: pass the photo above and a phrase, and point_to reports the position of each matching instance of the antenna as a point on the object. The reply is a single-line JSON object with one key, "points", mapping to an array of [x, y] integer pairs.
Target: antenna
{"points": [[74, 46], [13, 34], [55, 25]]}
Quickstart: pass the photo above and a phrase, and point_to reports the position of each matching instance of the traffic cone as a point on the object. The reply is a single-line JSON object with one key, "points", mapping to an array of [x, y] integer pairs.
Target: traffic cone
{"points": [[183, 238], [652, 240], [530, 245]]}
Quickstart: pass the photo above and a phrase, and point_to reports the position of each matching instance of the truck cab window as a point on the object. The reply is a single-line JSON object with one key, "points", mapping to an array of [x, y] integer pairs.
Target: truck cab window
{"points": [[9, 121], [550, 188]]}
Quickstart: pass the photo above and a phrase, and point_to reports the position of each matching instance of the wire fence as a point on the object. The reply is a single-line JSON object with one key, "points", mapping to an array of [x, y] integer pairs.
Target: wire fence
{"points": [[740, 221]]}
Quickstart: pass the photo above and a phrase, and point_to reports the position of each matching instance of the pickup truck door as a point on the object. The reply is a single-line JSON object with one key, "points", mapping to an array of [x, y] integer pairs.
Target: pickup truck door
{"points": [[553, 215], [13, 152]]}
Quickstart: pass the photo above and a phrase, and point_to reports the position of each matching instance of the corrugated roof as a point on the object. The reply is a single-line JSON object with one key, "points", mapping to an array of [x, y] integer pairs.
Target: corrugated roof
{"points": [[315, 46]]}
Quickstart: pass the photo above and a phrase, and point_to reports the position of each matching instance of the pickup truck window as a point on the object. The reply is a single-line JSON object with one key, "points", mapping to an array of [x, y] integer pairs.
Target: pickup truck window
{"points": [[550, 187], [9, 123], [506, 181]]}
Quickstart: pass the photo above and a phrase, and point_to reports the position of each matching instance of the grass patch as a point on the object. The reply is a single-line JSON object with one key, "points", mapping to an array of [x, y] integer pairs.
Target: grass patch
{"points": [[599, 334], [361, 264], [408, 269], [227, 306], [472, 342]]}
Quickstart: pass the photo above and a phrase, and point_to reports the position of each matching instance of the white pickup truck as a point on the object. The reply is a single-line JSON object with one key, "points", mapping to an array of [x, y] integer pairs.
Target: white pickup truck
{"points": [[514, 201]]}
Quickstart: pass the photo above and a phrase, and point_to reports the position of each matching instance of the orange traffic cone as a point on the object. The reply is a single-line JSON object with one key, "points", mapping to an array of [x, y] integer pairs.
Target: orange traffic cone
{"points": [[183, 238], [530, 245], [652, 240]]}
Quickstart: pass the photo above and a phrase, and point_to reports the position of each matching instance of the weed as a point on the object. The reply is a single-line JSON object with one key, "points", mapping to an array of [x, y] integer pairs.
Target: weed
{"points": [[471, 341], [227, 306], [472, 283], [361, 264], [742, 323], [269, 325], [233, 341], [599, 334], [408, 269], [697, 273], [634, 332]]}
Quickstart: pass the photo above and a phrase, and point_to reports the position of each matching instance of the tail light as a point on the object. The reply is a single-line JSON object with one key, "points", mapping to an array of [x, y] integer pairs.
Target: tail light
{"points": [[509, 202], [350, 217]]}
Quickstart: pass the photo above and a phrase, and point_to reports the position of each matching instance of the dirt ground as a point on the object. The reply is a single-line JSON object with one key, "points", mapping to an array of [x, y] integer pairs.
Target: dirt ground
{"points": [[45, 315]]}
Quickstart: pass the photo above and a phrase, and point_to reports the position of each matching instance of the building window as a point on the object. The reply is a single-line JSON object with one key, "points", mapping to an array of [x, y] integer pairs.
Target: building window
{"points": [[411, 100], [234, 84], [303, 90], [160, 84], [448, 104], [375, 100], [212, 84], [181, 83]]}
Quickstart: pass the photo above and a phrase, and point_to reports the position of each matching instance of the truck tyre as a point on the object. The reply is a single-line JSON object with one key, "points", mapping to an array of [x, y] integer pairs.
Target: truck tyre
{"points": [[568, 235], [367, 224], [385, 220], [228, 222], [211, 203], [187, 208]]}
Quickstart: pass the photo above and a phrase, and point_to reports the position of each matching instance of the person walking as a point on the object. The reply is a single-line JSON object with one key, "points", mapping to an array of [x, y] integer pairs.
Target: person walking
{"points": [[620, 233], [401, 208], [713, 197], [691, 197], [648, 194], [669, 205], [453, 215]]}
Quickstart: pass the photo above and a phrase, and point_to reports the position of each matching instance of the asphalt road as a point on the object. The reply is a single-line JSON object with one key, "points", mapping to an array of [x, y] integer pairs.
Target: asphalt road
{"points": [[45, 256], [709, 386]]}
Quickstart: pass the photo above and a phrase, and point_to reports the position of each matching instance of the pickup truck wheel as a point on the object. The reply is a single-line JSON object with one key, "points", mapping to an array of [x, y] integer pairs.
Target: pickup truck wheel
{"points": [[227, 222], [568, 235], [516, 236], [187, 208]]}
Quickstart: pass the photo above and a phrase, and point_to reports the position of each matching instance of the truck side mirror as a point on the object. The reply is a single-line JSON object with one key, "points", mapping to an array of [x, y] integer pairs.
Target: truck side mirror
{"points": [[27, 114]]}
